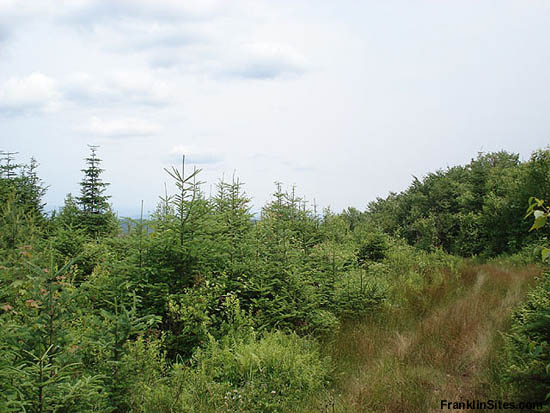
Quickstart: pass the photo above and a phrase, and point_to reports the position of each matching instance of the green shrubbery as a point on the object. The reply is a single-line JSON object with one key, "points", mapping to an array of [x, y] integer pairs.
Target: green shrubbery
{"points": [[373, 247], [239, 373], [358, 294], [528, 345], [530, 254]]}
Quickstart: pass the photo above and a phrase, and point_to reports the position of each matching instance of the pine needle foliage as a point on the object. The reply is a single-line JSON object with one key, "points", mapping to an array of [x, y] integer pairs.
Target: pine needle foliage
{"points": [[92, 188], [96, 216]]}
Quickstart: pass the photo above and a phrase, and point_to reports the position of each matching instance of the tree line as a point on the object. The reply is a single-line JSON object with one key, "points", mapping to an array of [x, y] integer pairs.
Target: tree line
{"points": [[474, 209]]}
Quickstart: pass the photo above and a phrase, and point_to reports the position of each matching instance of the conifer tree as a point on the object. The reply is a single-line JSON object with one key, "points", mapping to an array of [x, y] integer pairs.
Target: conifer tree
{"points": [[184, 201], [68, 232], [232, 211], [189, 209], [15, 226], [96, 214], [21, 207], [7, 165], [92, 188], [31, 190], [7, 175]]}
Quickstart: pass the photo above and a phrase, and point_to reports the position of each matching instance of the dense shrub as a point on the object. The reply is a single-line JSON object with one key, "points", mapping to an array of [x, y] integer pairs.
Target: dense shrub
{"points": [[358, 294], [528, 345], [373, 248], [240, 374]]}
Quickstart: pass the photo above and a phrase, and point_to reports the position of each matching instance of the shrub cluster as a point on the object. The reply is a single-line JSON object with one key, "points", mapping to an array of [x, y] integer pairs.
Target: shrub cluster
{"points": [[528, 345]]}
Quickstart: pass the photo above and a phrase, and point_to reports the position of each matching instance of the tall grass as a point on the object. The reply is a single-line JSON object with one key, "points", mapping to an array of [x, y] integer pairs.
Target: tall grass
{"points": [[437, 340]]}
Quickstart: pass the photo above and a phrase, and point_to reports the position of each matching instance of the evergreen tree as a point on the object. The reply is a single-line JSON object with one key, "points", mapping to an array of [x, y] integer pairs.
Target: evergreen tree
{"points": [[21, 206], [7, 165], [234, 226], [184, 200], [7, 175], [23, 182], [31, 190], [96, 213], [92, 187], [69, 236]]}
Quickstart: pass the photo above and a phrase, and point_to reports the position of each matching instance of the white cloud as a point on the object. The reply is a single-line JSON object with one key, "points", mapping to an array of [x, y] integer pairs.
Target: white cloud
{"points": [[191, 36], [14, 13], [36, 92], [120, 87], [263, 60], [219, 59], [92, 12], [12, 9], [120, 128], [137, 36]]}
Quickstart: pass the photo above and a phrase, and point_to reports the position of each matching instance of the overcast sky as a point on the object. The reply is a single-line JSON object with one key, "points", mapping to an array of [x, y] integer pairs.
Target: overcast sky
{"points": [[345, 99]]}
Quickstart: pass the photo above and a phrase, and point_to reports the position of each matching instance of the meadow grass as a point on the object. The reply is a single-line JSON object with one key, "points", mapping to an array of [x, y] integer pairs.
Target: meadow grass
{"points": [[438, 340]]}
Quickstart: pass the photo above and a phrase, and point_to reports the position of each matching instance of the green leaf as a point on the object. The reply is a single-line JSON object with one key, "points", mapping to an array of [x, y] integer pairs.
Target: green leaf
{"points": [[545, 253], [539, 223], [533, 203]]}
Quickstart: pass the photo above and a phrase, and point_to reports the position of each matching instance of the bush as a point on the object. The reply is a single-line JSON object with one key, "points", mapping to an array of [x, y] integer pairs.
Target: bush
{"points": [[401, 258], [322, 323], [357, 295], [528, 344], [144, 366], [373, 248], [268, 374], [530, 254]]}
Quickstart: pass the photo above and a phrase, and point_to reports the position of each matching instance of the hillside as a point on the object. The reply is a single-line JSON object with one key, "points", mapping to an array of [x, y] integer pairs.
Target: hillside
{"points": [[436, 293]]}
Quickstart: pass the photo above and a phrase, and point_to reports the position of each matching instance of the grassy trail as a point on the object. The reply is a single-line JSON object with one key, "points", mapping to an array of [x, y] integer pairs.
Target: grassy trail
{"points": [[442, 343]]}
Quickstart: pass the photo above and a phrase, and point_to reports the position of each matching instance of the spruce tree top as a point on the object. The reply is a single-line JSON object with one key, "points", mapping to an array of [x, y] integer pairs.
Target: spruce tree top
{"points": [[7, 165], [91, 197]]}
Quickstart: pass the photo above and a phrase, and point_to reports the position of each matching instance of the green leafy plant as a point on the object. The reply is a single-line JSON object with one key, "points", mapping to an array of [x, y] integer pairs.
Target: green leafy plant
{"points": [[528, 344]]}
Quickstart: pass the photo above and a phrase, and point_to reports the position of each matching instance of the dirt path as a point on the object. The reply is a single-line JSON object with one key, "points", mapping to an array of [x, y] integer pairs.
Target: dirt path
{"points": [[408, 360]]}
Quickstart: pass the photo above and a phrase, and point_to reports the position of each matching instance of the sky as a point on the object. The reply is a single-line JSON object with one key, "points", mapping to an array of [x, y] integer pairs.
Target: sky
{"points": [[347, 100]]}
